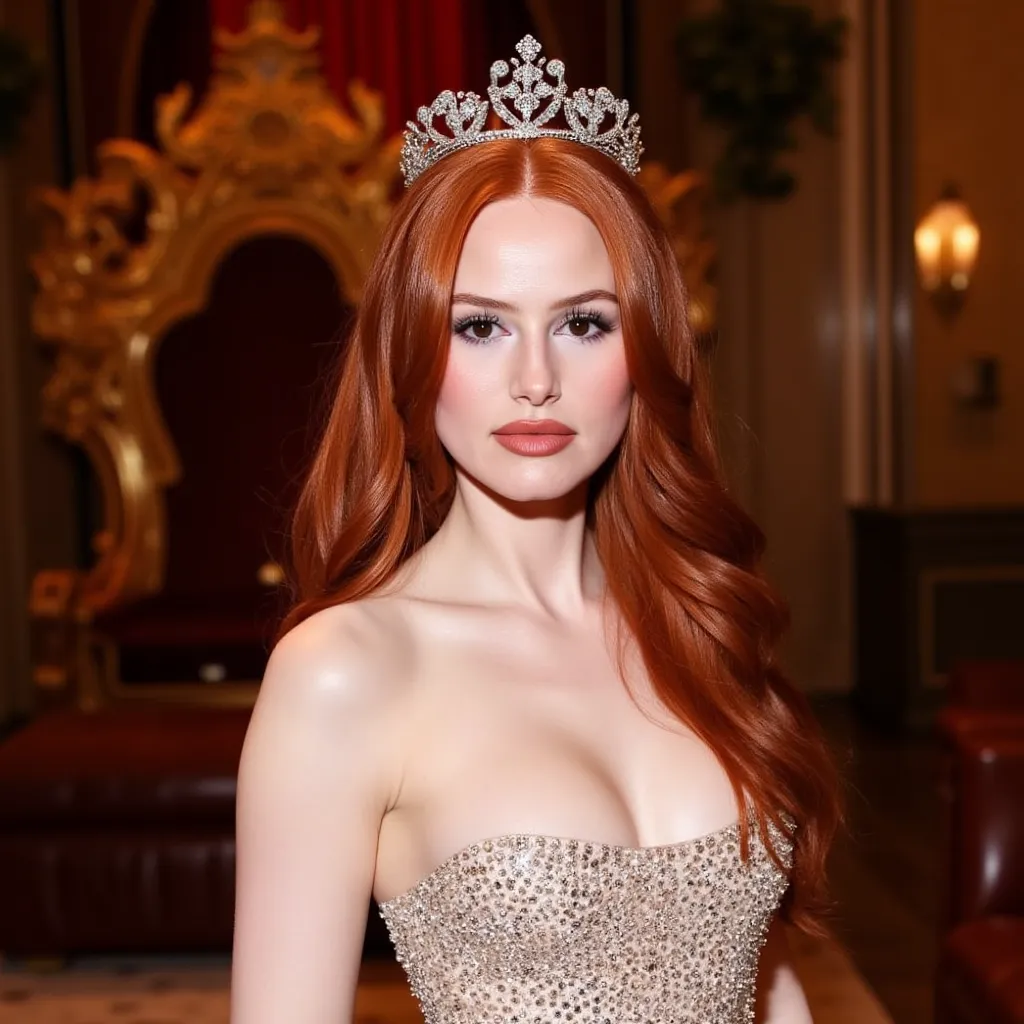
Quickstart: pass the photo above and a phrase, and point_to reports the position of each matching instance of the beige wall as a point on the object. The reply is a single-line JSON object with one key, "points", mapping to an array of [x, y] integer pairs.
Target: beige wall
{"points": [[777, 365], [969, 87]]}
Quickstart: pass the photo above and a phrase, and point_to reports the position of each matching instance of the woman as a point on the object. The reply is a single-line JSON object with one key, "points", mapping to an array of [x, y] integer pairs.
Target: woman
{"points": [[528, 695]]}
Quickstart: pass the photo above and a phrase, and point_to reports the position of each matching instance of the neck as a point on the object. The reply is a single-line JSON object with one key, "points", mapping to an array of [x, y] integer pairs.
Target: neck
{"points": [[537, 554]]}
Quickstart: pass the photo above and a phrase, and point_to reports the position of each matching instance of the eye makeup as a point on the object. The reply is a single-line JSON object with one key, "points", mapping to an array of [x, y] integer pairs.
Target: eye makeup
{"points": [[475, 322], [475, 328]]}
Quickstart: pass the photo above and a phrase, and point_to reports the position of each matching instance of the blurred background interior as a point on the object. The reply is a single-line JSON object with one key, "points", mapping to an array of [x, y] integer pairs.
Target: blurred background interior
{"points": [[189, 194]]}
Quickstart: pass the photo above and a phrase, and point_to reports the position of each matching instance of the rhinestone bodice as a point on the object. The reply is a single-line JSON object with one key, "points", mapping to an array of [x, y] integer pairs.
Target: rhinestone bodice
{"points": [[529, 929]]}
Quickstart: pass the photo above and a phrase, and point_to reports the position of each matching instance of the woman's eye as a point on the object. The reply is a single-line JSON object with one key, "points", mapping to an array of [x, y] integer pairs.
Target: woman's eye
{"points": [[584, 325], [476, 328], [587, 326]]}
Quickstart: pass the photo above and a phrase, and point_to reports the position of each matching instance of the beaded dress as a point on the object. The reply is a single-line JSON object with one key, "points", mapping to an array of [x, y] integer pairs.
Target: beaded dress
{"points": [[532, 929]]}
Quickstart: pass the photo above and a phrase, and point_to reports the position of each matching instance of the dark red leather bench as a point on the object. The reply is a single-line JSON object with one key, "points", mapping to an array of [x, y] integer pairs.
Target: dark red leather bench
{"points": [[117, 832], [980, 976]]}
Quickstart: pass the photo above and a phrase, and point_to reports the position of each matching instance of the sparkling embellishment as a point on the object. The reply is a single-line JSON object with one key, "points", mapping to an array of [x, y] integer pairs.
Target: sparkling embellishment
{"points": [[527, 929], [464, 114]]}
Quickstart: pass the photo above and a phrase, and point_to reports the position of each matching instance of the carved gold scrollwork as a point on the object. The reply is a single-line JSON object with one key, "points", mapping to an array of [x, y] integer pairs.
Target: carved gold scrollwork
{"points": [[127, 254], [678, 199]]}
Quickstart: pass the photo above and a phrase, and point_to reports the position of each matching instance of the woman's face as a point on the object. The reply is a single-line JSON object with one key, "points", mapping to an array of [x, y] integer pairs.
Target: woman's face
{"points": [[536, 336]]}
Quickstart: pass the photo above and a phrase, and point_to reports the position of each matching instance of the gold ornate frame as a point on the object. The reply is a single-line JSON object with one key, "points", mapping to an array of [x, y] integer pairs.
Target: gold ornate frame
{"points": [[267, 151], [679, 201]]}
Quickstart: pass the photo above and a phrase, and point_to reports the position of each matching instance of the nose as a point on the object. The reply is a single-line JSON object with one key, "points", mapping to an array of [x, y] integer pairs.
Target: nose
{"points": [[534, 373]]}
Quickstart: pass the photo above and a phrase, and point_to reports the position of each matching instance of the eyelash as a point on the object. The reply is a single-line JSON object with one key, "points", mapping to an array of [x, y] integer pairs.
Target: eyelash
{"points": [[592, 316]]}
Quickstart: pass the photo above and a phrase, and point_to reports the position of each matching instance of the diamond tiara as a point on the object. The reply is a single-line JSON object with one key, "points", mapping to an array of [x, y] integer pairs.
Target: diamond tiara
{"points": [[464, 113]]}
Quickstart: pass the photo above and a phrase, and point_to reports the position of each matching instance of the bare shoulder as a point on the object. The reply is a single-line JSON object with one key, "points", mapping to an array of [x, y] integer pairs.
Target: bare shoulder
{"points": [[354, 658], [339, 682]]}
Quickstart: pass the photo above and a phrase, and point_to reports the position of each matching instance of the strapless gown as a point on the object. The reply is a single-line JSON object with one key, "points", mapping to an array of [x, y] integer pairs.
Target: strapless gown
{"points": [[532, 929]]}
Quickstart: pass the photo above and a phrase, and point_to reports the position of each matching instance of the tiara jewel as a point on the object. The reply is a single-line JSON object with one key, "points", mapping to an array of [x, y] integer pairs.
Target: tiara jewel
{"points": [[526, 103]]}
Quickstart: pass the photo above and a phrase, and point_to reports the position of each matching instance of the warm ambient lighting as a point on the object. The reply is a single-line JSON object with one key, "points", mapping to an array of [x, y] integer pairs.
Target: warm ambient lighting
{"points": [[946, 242]]}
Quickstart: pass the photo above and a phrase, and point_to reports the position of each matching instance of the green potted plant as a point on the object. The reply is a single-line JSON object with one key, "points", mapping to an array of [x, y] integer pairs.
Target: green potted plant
{"points": [[757, 66]]}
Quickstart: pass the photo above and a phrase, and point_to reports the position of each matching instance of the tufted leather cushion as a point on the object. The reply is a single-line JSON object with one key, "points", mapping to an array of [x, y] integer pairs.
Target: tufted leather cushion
{"points": [[994, 685], [117, 832], [981, 972], [127, 766], [986, 828], [981, 966]]}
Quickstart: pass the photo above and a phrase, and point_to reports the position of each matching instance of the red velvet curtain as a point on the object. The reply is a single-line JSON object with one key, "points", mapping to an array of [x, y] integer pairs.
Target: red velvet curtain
{"points": [[407, 49]]}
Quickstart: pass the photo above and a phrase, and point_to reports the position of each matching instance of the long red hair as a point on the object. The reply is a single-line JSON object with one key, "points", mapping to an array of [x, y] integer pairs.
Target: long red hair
{"points": [[681, 558]]}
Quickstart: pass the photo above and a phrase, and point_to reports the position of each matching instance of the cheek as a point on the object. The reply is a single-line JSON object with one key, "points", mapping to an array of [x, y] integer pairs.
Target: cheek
{"points": [[462, 393], [611, 387]]}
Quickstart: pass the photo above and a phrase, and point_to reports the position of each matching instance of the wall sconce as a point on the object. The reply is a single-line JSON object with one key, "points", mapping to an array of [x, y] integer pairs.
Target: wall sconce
{"points": [[946, 242]]}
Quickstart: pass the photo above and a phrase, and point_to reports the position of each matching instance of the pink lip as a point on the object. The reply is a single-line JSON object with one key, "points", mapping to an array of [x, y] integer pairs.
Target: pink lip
{"points": [[534, 444], [535, 427]]}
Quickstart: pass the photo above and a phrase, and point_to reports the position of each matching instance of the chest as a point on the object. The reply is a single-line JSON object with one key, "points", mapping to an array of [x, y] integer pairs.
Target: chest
{"points": [[524, 728]]}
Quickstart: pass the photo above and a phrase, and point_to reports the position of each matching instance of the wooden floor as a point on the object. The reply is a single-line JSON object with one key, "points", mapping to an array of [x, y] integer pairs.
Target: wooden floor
{"points": [[886, 872]]}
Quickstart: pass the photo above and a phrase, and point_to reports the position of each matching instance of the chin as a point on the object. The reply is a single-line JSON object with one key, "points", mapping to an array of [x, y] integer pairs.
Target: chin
{"points": [[535, 480]]}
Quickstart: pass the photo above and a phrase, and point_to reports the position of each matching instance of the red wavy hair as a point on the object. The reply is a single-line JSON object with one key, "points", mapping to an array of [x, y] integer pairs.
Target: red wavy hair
{"points": [[680, 556]]}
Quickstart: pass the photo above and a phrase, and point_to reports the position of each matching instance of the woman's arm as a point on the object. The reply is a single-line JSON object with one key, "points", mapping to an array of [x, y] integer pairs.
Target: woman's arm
{"points": [[780, 996], [317, 774]]}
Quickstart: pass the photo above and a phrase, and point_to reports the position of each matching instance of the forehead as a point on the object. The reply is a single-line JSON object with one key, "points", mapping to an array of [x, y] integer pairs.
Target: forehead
{"points": [[525, 244]]}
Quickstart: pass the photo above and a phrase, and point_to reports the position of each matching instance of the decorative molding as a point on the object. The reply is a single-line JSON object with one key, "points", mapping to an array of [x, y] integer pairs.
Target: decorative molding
{"points": [[922, 579], [929, 582], [876, 286], [857, 391]]}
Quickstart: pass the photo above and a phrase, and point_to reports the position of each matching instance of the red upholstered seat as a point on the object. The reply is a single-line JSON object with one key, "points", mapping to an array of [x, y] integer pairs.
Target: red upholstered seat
{"points": [[117, 832], [168, 638], [981, 972], [149, 765]]}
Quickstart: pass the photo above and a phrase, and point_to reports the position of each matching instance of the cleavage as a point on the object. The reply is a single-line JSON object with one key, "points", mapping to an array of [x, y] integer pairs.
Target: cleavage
{"points": [[541, 777]]}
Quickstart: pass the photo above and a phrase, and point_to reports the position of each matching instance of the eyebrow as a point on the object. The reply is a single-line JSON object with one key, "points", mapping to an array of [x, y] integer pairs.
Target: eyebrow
{"points": [[573, 300]]}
